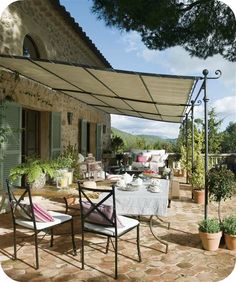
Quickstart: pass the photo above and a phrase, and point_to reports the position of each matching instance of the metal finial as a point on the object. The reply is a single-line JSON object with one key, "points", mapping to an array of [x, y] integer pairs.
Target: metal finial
{"points": [[205, 72]]}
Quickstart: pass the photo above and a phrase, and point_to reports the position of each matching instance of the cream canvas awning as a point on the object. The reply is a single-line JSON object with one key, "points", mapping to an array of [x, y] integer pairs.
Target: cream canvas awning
{"points": [[143, 95]]}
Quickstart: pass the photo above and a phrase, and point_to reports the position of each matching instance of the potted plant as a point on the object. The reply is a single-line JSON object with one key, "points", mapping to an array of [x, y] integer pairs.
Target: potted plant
{"points": [[229, 229], [198, 183], [197, 175], [66, 163], [210, 233], [220, 185], [33, 171]]}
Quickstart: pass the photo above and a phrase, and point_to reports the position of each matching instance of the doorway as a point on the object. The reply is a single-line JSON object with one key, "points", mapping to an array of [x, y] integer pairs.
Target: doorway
{"points": [[30, 134]]}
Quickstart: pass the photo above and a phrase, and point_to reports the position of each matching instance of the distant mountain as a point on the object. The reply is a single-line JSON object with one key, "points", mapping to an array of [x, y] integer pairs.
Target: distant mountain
{"points": [[131, 140]]}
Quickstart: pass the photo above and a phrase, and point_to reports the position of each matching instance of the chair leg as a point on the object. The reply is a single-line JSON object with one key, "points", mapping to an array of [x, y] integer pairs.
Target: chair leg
{"points": [[82, 249], [36, 249], [138, 245], [73, 237], [116, 257], [51, 241], [107, 246]]}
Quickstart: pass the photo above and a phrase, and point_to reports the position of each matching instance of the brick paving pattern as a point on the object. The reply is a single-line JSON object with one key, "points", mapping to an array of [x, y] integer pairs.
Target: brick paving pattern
{"points": [[185, 261]]}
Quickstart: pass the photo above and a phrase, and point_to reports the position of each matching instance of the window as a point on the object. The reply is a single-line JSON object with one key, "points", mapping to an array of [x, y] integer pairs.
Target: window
{"points": [[29, 48]]}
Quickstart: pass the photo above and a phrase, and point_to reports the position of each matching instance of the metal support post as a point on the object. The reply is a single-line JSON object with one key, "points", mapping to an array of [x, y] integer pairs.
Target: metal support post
{"points": [[205, 99], [186, 124], [192, 117]]}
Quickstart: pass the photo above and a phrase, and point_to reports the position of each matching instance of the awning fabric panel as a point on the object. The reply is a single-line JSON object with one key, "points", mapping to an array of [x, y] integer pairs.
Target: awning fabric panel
{"points": [[143, 95]]}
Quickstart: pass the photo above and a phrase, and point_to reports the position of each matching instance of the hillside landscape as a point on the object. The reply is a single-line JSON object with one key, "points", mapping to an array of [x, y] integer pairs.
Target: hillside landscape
{"points": [[144, 141]]}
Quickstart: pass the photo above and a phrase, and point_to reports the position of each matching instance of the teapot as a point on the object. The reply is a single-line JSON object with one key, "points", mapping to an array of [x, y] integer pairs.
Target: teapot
{"points": [[127, 178]]}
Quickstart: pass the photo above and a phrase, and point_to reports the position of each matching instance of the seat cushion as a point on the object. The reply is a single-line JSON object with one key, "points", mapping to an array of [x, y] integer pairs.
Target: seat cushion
{"points": [[96, 217], [57, 219], [128, 223]]}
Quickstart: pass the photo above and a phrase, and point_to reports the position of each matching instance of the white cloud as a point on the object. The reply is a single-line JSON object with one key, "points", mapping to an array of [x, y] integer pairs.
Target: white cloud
{"points": [[177, 61], [138, 126], [132, 41], [226, 106]]}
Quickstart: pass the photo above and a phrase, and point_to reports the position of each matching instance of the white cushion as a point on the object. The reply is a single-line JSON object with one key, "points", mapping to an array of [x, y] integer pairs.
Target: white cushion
{"points": [[106, 230], [58, 218]]}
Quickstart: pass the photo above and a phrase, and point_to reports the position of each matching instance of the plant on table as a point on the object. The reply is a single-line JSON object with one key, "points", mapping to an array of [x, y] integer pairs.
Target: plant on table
{"points": [[33, 169]]}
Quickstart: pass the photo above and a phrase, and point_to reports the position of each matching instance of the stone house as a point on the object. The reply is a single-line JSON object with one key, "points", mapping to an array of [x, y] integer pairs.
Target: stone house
{"points": [[45, 121]]}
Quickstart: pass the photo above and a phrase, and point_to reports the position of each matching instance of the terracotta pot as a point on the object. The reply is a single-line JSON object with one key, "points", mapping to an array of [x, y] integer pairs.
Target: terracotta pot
{"points": [[210, 241], [199, 196], [230, 241]]}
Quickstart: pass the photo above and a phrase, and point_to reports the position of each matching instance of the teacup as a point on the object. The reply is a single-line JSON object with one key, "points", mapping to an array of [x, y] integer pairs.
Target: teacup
{"points": [[155, 182], [138, 181]]}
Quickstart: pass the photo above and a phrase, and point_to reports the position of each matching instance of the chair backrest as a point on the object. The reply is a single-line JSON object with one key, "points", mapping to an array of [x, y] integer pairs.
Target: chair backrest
{"points": [[20, 208], [95, 209]]}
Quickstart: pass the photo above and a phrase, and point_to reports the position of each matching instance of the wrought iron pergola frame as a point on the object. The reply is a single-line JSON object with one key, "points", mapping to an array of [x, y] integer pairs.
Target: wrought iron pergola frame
{"points": [[197, 102]]}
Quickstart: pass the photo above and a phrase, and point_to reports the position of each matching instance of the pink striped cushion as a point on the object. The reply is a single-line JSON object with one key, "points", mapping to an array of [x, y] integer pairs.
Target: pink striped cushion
{"points": [[24, 211], [41, 214]]}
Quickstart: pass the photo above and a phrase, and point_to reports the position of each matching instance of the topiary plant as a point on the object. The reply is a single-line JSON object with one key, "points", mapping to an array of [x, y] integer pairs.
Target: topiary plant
{"points": [[220, 185]]}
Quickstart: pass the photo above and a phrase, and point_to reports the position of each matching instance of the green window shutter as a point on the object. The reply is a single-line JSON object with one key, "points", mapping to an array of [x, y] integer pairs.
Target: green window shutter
{"points": [[11, 149], [55, 134], [99, 142], [83, 137]]}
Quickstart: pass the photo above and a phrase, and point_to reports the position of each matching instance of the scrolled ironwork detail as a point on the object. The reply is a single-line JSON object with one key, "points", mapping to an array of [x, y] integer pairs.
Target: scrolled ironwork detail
{"points": [[198, 103], [218, 73]]}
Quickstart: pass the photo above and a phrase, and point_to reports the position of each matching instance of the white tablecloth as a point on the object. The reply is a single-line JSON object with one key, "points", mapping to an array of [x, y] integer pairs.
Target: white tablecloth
{"points": [[143, 202]]}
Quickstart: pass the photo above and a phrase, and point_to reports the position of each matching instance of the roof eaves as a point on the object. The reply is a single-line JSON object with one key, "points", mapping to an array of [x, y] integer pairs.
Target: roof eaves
{"points": [[67, 16]]}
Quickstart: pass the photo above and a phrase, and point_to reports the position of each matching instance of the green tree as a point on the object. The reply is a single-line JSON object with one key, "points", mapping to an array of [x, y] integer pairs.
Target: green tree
{"points": [[117, 144], [214, 136], [228, 142], [202, 27]]}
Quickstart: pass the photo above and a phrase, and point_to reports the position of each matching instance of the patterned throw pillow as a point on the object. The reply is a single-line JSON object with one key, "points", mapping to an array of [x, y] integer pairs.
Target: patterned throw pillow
{"points": [[41, 214], [97, 218]]}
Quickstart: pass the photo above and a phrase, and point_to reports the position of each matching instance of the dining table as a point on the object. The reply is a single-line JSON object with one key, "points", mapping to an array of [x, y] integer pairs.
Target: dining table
{"points": [[140, 201]]}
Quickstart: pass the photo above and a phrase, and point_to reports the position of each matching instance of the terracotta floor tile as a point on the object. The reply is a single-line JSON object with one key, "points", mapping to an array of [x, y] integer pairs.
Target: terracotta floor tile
{"points": [[185, 260]]}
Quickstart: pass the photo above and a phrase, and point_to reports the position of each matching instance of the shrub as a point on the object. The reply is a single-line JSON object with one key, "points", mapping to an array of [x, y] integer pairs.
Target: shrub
{"points": [[229, 225], [210, 225]]}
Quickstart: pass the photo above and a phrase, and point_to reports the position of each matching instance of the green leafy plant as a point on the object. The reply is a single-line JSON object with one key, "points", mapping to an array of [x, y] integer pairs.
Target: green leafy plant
{"points": [[220, 182], [229, 225], [32, 169], [68, 158], [210, 225]]}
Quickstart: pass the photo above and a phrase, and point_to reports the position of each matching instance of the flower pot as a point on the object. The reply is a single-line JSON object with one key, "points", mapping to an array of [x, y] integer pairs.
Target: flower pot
{"points": [[230, 241], [39, 182], [199, 196], [210, 241]]}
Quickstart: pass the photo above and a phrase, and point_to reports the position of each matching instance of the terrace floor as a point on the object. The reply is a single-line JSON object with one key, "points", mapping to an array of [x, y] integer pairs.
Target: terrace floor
{"points": [[185, 260]]}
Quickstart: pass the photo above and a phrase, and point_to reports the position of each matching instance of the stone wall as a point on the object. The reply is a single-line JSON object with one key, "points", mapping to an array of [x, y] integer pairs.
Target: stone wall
{"points": [[56, 39]]}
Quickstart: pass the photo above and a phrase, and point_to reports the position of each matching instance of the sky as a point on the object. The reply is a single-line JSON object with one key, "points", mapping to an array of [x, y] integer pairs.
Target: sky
{"points": [[126, 51]]}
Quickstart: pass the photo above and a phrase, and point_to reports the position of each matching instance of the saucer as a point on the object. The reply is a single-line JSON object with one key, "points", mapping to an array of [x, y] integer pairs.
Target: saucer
{"points": [[154, 189]]}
